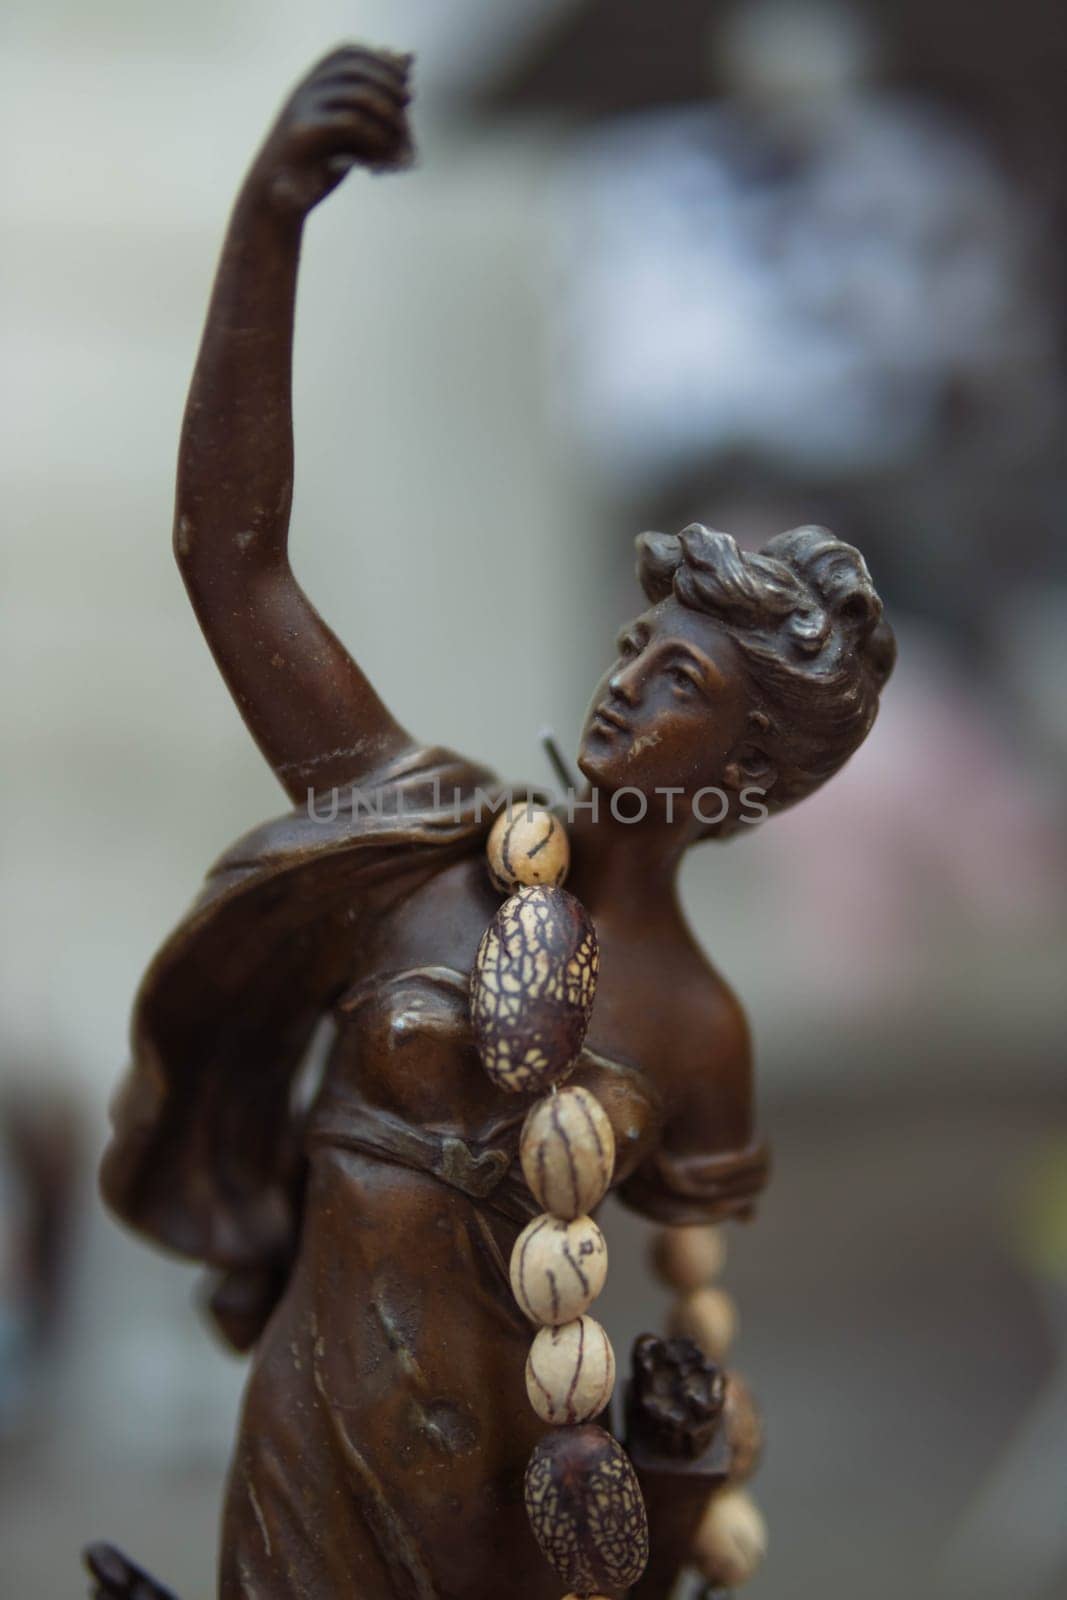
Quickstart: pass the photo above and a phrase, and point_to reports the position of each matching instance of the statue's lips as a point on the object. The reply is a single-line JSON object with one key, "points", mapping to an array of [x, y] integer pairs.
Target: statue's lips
{"points": [[608, 722]]}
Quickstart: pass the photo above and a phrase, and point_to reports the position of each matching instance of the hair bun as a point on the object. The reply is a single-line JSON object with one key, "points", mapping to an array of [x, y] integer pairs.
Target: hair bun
{"points": [[658, 555], [859, 606], [806, 619]]}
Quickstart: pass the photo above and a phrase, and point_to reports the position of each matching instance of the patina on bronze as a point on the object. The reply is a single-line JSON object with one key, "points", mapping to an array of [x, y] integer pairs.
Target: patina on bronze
{"points": [[361, 1248]]}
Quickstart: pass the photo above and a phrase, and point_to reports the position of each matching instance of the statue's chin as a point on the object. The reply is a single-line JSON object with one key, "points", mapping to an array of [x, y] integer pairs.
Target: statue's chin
{"points": [[590, 764], [597, 766]]}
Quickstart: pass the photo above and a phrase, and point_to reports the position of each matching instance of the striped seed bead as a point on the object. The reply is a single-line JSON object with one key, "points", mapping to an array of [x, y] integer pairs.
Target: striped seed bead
{"points": [[709, 1318], [570, 1372], [558, 1268], [731, 1539], [568, 1152], [688, 1258], [526, 847]]}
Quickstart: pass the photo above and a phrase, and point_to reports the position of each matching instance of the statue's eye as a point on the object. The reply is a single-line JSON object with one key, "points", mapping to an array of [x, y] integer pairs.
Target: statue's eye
{"points": [[628, 646], [681, 679]]}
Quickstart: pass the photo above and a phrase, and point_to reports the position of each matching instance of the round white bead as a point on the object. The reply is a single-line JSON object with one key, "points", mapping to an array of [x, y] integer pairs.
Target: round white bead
{"points": [[709, 1318], [558, 1268], [529, 846], [568, 1152], [688, 1258], [570, 1372], [731, 1539]]}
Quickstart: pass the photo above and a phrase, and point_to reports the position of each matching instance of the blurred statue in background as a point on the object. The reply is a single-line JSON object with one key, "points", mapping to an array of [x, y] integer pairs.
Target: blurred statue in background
{"points": [[359, 1246]]}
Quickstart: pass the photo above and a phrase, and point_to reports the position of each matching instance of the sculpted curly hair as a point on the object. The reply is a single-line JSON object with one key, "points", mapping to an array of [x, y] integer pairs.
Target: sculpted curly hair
{"points": [[808, 623]]}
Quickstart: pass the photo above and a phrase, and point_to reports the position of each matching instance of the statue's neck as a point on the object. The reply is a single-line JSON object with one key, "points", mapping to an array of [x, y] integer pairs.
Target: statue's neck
{"points": [[629, 867]]}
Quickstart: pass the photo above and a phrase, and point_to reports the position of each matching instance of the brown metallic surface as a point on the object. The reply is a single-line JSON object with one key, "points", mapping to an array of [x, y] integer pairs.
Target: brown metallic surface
{"points": [[385, 1429]]}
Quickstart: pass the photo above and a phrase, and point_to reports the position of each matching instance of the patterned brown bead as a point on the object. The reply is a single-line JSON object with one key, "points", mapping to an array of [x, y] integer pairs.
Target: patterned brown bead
{"points": [[529, 846], [568, 1152], [731, 1539], [586, 1511], [570, 1372], [558, 1268], [532, 988]]}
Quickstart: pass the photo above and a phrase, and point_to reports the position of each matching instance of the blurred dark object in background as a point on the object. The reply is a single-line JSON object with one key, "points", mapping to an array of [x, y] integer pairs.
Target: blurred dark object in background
{"points": [[815, 258], [1004, 64], [41, 1162]]}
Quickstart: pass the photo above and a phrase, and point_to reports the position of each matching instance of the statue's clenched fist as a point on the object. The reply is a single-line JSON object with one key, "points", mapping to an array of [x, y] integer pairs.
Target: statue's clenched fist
{"points": [[350, 110]]}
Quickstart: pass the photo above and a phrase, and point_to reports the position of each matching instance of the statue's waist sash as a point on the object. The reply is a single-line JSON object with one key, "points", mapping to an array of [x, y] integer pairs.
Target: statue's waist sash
{"points": [[483, 1172]]}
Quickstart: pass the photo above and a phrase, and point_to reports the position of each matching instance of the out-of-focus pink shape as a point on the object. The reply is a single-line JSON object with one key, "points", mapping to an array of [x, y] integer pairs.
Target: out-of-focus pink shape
{"points": [[941, 826]]}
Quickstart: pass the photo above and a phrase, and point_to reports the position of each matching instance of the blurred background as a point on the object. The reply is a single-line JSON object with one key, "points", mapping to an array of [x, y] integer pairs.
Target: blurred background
{"points": [[752, 265]]}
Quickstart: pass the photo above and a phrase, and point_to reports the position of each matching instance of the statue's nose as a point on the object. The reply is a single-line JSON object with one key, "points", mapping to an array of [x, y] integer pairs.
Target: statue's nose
{"points": [[625, 683]]}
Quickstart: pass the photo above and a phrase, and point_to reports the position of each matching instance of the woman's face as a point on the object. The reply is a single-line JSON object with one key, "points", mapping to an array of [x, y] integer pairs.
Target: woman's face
{"points": [[671, 710]]}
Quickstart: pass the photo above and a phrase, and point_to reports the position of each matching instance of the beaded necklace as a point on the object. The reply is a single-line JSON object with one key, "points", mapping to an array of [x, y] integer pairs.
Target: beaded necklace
{"points": [[532, 991], [533, 986]]}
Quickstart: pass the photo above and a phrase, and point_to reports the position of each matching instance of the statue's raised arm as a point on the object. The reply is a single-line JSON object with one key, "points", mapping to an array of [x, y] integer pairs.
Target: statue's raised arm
{"points": [[310, 709]]}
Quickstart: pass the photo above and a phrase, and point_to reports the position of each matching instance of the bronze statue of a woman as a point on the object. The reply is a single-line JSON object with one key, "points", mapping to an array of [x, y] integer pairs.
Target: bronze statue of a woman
{"points": [[359, 1247]]}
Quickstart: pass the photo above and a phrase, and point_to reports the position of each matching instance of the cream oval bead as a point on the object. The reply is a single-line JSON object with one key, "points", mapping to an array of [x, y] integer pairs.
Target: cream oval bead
{"points": [[570, 1372], [709, 1318], [688, 1258], [558, 1268], [731, 1539], [526, 847], [743, 1427], [567, 1151]]}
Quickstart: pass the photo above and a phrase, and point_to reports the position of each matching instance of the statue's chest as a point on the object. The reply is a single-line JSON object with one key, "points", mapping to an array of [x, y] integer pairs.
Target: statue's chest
{"points": [[427, 943], [647, 991]]}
